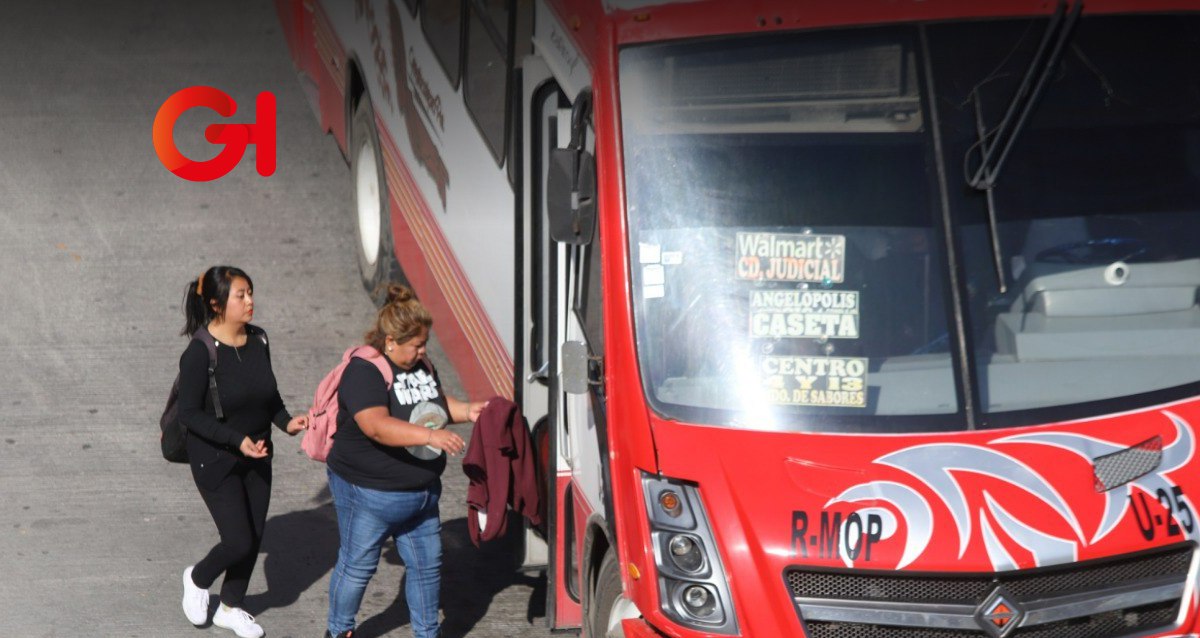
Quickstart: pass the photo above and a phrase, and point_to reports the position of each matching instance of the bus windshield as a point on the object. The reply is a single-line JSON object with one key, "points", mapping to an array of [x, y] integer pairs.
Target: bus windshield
{"points": [[811, 252]]}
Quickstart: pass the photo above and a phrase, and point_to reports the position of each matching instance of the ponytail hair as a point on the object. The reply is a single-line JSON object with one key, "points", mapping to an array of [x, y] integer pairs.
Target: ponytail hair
{"points": [[402, 317], [204, 297]]}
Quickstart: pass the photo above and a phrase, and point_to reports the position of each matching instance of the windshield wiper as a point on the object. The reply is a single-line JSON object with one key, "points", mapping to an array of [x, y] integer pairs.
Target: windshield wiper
{"points": [[995, 145]]}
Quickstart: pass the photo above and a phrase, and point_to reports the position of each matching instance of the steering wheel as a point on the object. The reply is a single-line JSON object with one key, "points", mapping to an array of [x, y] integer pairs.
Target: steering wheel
{"points": [[1105, 250]]}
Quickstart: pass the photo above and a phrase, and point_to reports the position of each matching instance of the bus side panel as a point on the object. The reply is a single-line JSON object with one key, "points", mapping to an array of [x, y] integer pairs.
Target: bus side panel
{"points": [[452, 208], [430, 266], [319, 56], [460, 259], [297, 30], [328, 69]]}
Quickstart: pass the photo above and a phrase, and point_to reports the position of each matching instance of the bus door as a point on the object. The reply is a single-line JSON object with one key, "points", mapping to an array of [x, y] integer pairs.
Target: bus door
{"points": [[545, 304], [575, 341]]}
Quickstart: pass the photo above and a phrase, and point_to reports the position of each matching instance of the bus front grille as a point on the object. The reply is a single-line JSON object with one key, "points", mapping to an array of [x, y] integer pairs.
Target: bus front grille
{"points": [[1107, 598]]}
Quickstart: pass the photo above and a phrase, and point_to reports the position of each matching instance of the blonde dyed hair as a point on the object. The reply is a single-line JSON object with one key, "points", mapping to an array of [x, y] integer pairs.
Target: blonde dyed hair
{"points": [[402, 317]]}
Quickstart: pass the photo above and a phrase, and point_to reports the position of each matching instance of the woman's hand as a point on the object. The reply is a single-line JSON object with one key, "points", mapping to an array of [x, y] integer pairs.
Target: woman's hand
{"points": [[461, 411], [253, 449], [447, 441], [297, 424], [475, 409]]}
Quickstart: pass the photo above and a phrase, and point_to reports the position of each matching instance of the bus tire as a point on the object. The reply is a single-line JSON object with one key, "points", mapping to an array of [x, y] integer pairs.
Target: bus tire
{"points": [[374, 243], [603, 618]]}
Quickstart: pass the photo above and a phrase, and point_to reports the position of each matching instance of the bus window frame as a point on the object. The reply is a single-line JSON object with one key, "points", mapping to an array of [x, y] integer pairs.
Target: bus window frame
{"points": [[453, 75], [506, 46]]}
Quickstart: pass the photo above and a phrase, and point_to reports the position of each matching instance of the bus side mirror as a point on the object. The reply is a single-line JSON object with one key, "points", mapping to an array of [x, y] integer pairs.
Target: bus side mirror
{"points": [[571, 196]]}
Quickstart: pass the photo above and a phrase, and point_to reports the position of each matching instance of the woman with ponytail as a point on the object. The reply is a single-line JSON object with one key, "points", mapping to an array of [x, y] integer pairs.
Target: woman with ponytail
{"points": [[230, 453], [385, 470]]}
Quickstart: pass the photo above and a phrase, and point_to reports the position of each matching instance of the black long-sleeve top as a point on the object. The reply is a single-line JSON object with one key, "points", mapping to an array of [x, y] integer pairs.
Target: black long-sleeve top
{"points": [[249, 394]]}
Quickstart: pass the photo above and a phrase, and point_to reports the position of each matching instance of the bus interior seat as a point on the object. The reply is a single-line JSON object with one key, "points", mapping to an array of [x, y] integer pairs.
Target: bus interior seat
{"points": [[1048, 232], [1069, 311]]}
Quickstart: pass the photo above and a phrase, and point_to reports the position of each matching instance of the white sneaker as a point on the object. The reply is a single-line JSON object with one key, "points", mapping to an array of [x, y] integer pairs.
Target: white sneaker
{"points": [[237, 620], [195, 600]]}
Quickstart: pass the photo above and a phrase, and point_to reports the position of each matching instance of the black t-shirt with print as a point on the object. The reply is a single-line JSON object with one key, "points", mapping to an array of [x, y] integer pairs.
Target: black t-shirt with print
{"points": [[362, 461]]}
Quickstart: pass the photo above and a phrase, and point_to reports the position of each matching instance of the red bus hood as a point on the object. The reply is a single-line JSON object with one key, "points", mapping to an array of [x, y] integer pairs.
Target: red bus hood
{"points": [[980, 501]]}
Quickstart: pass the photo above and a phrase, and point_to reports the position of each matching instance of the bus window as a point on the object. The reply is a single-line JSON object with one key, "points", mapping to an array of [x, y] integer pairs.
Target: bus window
{"points": [[783, 217], [496, 13], [442, 23], [1095, 214], [487, 72]]}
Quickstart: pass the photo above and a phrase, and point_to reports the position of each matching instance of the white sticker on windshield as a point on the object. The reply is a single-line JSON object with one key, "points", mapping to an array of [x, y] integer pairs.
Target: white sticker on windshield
{"points": [[839, 382], [652, 275], [672, 257], [648, 253], [808, 314], [791, 257], [653, 292]]}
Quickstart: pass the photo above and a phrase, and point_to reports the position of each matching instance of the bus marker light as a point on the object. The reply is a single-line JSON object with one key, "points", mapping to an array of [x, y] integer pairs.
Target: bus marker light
{"points": [[669, 501]]}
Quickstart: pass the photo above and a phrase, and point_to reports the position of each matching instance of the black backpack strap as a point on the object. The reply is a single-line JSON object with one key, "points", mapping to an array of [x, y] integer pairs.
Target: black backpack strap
{"points": [[211, 344]]}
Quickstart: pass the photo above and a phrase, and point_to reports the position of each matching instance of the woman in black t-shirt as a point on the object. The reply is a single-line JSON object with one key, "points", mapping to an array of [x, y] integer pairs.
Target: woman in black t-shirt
{"points": [[386, 463], [230, 456]]}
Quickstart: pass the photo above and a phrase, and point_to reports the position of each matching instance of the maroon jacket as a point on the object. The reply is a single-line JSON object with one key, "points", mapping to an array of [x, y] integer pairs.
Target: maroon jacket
{"points": [[502, 469]]}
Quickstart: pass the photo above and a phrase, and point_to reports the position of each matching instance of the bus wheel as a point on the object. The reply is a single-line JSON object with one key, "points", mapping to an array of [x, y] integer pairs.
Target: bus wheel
{"points": [[609, 604], [373, 224]]}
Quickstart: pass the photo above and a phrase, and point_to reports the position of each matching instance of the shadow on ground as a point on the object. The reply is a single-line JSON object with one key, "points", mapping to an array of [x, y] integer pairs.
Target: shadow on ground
{"points": [[471, 579], [301, 548]]}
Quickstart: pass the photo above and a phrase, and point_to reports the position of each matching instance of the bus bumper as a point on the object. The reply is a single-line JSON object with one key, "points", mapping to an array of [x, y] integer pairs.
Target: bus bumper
{"points": [[639, 628]]}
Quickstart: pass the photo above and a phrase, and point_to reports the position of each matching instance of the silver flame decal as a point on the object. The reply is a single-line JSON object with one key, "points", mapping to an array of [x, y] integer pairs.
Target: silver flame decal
{"points": [[935, 465], [1045, 548], [1175, 456], [911, 505]]}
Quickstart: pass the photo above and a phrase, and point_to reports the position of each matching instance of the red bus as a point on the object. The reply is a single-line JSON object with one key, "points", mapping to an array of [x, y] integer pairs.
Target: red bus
{"points": [[835, 319]]}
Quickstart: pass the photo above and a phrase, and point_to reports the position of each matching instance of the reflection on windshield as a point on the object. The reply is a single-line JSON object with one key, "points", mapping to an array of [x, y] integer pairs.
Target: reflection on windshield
{"points": [[785, 215], [789, 270], [752, 319]]}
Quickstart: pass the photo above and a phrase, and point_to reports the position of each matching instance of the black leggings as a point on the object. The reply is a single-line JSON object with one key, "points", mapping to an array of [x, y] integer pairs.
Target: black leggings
{"points": [[239, 508]]}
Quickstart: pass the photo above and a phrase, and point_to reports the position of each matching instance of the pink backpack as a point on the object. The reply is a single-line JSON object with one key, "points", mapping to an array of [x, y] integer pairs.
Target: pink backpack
{"points": [[322, 416]]}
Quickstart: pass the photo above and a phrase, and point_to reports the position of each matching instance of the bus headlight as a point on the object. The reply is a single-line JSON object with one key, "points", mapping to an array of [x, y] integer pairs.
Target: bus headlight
{"points": [[685, 553], [691, 580], [699, 602]]}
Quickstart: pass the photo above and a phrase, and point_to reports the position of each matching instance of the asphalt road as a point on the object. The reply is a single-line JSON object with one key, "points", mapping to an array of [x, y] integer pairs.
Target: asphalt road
{"points": [[97, 240]]}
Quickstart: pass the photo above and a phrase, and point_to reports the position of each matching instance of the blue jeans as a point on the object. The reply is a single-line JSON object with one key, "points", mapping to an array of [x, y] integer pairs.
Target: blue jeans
{"points": [[366, 519]]}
